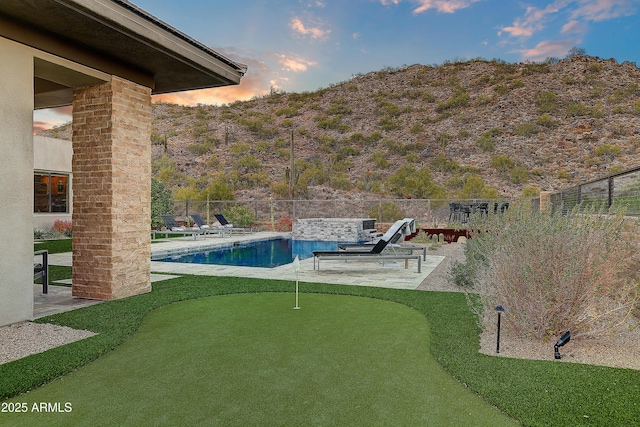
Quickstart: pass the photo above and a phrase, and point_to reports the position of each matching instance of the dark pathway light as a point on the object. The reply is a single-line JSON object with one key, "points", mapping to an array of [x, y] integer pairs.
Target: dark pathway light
{"points": [[561, 341], [499, 309]]}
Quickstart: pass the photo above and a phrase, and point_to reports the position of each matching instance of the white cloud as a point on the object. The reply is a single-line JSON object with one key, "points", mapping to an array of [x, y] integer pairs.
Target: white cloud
{"points": [[574, 27], [315, 32], [546, 49], [294, 63], [443, 6], [601, 10]]}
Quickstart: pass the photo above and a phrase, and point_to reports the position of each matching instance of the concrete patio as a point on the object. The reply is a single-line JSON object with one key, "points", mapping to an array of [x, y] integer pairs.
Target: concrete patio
{"points": [[360, 273]]}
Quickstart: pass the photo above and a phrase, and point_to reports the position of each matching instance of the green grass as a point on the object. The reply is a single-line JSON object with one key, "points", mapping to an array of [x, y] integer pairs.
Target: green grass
{"points": [[53, 246], [252, 360], [537, 393]]}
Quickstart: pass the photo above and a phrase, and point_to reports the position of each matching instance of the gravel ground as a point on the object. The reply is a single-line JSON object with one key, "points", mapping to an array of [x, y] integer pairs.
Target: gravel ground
{"points": [[623, 351], [22, 339]]}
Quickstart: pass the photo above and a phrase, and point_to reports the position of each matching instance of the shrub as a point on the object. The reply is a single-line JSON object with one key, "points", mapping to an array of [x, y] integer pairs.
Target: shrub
{"points": [[526, 129], [239, 215], [63, 227], [409, 182], [555, 272], [547, 102], [485, 142], [379, 160], [547, 121], [161, 202], [284, 224], [607, 150], [386, 212], [577, 109]]}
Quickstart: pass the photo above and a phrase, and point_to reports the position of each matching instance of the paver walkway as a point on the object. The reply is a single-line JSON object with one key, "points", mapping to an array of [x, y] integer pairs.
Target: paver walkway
{"points": [[361, 273]]}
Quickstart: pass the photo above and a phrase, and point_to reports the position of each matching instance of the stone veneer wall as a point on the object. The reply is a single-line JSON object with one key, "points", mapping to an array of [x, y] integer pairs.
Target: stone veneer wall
{"points": [[330, 229], [112, 190]]}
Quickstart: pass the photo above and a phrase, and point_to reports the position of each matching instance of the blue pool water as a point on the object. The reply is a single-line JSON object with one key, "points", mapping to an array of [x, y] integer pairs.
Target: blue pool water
{"points": [[265, 253]]}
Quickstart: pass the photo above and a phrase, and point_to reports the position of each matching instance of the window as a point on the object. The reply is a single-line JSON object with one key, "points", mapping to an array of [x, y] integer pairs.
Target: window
{"points": [[50, 191]]}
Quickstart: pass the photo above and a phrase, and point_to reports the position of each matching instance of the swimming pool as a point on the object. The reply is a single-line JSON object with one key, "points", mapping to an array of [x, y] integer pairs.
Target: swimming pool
{"points": [[264, 253]]}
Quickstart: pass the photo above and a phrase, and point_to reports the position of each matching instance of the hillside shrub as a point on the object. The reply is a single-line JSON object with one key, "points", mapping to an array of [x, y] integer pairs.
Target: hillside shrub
{"points": [[419, 184], [485, 142], [553, 273], [526, 129], [386, 212], [239, 215], [547, 121], [547, 102], [577, 109]]}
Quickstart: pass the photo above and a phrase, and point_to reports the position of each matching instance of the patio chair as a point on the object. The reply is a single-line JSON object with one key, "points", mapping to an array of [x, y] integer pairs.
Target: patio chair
{"points": [[224, 223], [408, 228], [374, 253], [172, 227], [207, 229], [41, 270]]}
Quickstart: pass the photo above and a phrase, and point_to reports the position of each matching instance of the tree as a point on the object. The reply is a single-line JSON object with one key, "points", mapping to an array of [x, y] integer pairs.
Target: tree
{"points": [[161, 202], [576, 51]]}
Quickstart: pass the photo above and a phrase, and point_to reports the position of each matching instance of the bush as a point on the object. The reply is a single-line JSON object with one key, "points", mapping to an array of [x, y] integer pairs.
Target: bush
{"points": [[554, 272], [547, 102], [284, 224], [239, 215], [526, 129], [388, 212], [63, 227], [161, 202]]}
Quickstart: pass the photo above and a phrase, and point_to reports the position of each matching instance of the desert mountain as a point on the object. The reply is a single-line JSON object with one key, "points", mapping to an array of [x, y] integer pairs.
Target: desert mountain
{"points": [[461, 129]]}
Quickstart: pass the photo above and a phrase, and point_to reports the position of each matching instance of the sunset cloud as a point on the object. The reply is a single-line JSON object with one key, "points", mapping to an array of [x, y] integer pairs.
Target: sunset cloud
{"points": [[546, 49], [443, 6], [534, 20], [600, 10], [315, 32], [294, 63]]}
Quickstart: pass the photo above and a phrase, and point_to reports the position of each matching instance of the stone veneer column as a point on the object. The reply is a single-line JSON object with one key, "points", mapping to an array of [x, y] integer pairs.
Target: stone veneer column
{"points": [[545, 200], [112, 190]]}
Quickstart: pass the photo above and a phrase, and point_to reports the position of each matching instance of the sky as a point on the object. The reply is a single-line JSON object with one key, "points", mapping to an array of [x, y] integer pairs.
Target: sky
{"points": [[305, 45]]}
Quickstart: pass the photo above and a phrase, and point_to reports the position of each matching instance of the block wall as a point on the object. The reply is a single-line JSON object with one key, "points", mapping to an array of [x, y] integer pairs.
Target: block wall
{"points": [[112, 190]]}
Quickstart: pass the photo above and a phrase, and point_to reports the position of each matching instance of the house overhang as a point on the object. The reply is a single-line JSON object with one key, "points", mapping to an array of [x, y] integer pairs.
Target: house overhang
{"points": [[114, 37]]}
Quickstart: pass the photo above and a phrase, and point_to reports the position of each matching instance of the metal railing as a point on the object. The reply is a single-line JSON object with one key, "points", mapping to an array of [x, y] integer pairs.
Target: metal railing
{"points": [[619, 190], [427, 212]]}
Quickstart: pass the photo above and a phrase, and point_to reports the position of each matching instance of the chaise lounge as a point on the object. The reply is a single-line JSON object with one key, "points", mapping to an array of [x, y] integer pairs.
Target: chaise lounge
{"points": [[172, 227], [375, 252], [224, 223], [201, 223]]}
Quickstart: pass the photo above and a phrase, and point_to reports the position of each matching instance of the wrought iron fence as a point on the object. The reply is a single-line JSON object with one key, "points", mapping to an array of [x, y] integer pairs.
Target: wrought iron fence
{"points": [[619, 190], [427, 212]]}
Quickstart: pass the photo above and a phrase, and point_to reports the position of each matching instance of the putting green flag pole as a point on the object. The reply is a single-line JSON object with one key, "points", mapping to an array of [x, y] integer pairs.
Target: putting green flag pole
{"points": [[296, 268]]}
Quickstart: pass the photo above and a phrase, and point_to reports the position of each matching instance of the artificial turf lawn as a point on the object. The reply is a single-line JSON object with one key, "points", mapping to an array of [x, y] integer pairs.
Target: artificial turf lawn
{"points": [[537, 393], [252, 360]]}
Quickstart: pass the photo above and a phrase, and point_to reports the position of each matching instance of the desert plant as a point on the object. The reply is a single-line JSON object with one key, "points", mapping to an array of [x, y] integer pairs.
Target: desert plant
{"points": [[161, 202], [555, 272], [526, 129], [239, 215], [547, 121], [485, 142], [386, 212], [409, 182], [547, 102]]}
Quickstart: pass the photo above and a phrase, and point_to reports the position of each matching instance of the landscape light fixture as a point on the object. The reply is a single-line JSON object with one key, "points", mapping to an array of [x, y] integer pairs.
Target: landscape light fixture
{"points": [[499, 309], [561, 341]]}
